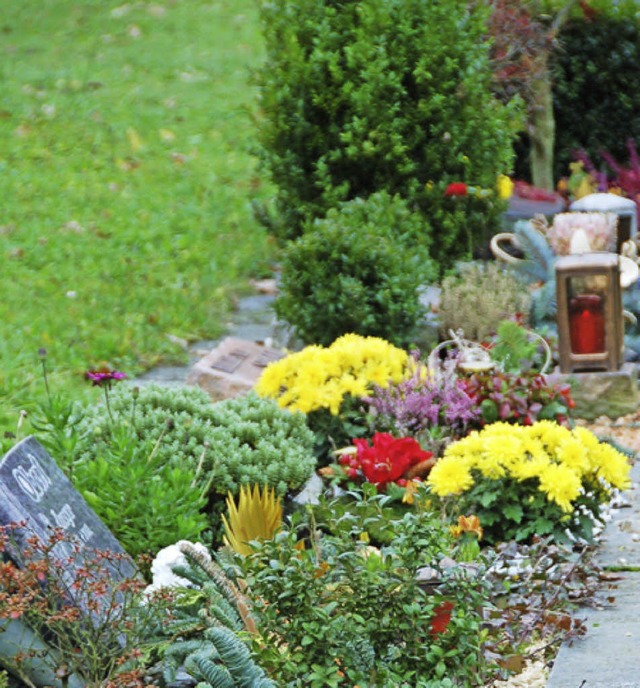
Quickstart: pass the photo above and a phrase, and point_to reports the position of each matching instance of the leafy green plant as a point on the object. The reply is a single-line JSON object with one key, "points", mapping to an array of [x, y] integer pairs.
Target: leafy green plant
{"points": [[517, 349], [339, 612], [140, 519], [380, 96], [478, 298], [205, 449], [357, 270]]}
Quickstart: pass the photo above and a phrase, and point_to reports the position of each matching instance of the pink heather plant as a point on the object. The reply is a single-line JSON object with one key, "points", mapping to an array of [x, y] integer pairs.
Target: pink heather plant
{"points": [[435, 409]]}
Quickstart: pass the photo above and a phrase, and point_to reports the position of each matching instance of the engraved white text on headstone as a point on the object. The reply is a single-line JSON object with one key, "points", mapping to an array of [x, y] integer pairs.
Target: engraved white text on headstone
{"points": [[33, 481]]}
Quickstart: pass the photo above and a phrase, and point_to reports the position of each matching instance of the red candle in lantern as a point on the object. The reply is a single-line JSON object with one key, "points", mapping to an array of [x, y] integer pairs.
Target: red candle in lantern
{"points": [[586, 324]]}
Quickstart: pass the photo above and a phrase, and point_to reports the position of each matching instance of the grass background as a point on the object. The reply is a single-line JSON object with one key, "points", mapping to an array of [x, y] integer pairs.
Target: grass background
{"points": [[126, 177]]}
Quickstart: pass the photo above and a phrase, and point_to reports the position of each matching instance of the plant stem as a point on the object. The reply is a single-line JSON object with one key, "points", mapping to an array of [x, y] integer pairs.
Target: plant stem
{"points": [[106, 398], [43, 362]]}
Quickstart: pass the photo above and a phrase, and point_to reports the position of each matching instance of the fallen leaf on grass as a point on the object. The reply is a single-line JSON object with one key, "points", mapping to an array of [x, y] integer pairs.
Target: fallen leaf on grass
{"points": [[135, 141], [127, 164]]}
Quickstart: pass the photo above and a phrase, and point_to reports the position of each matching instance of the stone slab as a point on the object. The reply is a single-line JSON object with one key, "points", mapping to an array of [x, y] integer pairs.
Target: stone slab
{"points": [[620, 544], [612, 393], [233, 367], [607, 656]]}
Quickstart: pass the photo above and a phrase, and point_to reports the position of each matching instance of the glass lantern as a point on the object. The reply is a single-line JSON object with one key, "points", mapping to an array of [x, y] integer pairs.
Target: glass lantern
{"points": [[590, 328]]}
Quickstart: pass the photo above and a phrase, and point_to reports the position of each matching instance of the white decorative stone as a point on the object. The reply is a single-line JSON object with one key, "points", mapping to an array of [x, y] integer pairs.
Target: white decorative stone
{"points": [[165, 561]]}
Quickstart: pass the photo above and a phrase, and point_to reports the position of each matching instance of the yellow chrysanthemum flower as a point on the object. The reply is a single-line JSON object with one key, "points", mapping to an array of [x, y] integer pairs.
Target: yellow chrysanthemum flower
{"points": [[319, 377], [572, 453], [490, 465], [507, 448], [450, 476], [530, 466], [549, 433], [561, 484], [613, 466]]}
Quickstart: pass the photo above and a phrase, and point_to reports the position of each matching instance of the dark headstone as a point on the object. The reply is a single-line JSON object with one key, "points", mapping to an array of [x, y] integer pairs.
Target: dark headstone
{"points": [[35, 491]]}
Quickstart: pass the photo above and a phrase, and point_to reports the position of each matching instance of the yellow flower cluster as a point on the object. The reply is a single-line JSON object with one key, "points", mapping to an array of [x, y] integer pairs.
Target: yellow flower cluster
{"points": [[562, 460], [320, 377]]}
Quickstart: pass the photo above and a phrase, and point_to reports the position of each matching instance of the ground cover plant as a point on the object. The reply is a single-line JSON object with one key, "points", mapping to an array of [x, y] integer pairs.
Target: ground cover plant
{"points": [[126, 178], [188, 452]]}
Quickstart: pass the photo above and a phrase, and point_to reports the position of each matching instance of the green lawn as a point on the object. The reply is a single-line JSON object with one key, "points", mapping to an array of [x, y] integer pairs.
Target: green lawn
{"points": [[125, 182]]}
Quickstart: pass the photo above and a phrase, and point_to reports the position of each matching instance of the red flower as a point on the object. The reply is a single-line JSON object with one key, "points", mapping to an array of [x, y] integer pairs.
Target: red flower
{"points": [[456, 189], [389, 458], [441, 618]]}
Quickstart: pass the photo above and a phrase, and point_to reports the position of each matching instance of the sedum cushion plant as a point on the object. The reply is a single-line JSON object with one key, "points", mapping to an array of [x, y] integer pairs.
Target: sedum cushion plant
{"points": [[244, 441], [524, 481]]}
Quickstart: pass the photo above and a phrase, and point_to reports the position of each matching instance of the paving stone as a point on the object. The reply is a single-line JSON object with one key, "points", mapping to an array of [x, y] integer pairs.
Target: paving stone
{"points": [[621, 540], [232, 368], [167, 376], [607, 656], [613, 393]]}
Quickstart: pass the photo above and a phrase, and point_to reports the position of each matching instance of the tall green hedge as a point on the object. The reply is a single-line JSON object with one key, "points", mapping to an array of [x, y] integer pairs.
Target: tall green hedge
{"points": [[596, 74], [359, 96]]}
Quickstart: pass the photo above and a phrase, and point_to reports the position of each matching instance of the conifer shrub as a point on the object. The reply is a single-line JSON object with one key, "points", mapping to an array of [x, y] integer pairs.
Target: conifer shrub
{"points": [[372, 95], [357, 270]]}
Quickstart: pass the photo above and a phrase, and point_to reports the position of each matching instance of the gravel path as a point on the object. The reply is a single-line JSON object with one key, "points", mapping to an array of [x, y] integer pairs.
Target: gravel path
{"points": [[624, 430]]}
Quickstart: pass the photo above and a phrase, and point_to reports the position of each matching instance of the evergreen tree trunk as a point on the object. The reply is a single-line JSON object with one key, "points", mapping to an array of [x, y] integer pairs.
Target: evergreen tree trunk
{"points": [[542, 123], [542, 131]]}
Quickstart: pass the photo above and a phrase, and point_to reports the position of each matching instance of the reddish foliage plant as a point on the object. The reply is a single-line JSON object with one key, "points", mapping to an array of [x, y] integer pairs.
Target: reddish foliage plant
{"points": [[89, 616]]}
